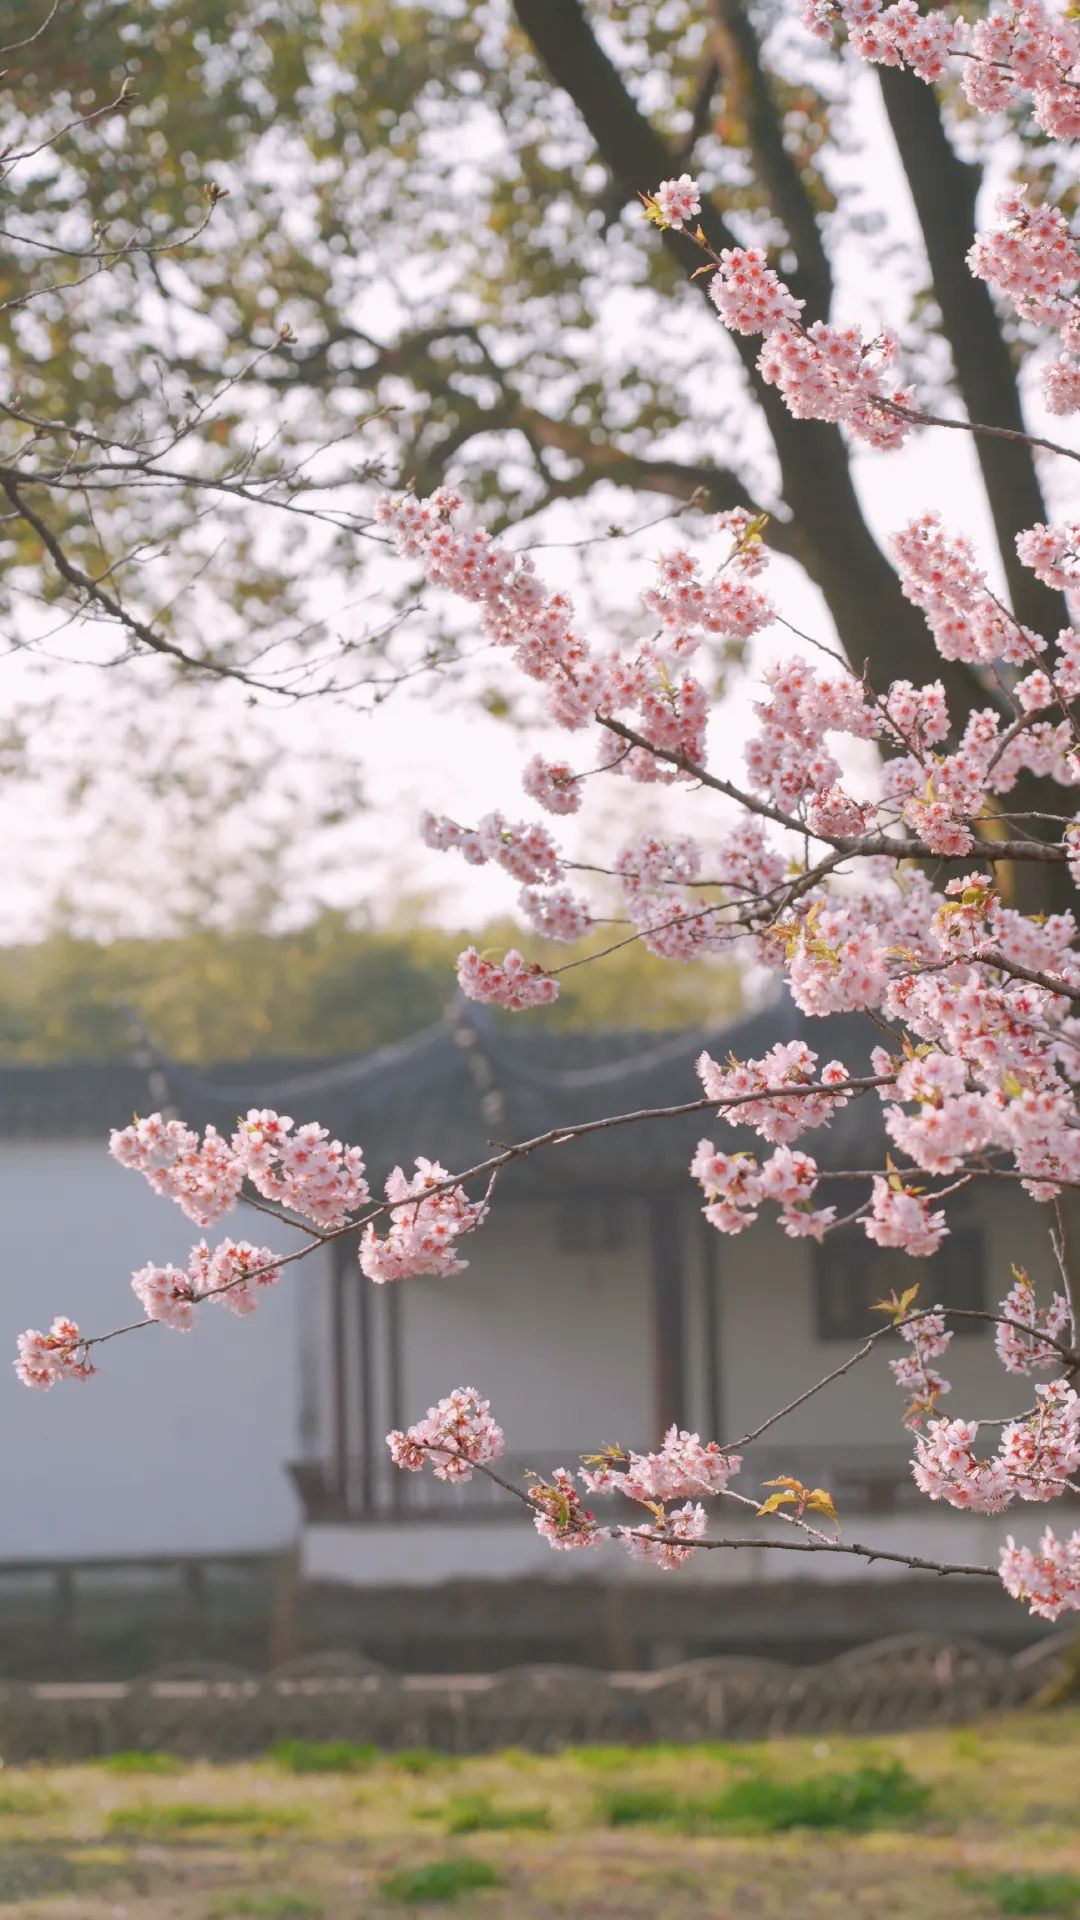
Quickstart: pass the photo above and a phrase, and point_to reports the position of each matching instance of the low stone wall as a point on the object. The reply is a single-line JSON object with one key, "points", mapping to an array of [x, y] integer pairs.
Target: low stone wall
{"points": [[222, 1713]]}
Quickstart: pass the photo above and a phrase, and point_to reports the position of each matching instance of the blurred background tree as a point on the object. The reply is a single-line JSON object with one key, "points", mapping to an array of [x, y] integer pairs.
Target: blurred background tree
{"points": [[431, 265], [328, 987], [440, 199]]}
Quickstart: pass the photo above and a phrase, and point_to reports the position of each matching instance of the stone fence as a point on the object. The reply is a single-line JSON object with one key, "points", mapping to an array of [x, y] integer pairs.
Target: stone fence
{"points": [[223, 1713]]}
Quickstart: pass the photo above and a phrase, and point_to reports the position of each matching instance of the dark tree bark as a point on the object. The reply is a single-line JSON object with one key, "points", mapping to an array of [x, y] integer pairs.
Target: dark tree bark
{"points": [[749, 90], [944, 189]]}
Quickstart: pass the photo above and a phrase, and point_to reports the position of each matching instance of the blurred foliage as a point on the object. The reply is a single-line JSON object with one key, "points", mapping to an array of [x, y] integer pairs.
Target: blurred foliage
{"points": [[412, 195], [328, 987]]}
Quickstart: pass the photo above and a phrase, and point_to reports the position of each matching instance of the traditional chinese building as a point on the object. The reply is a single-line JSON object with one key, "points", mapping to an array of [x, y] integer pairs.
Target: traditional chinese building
{"points": [[597, 1307]]}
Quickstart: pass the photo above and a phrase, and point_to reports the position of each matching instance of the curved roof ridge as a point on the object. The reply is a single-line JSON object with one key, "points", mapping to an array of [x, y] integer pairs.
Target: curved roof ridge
{"points": [[666, 1049], [354, 1071]]}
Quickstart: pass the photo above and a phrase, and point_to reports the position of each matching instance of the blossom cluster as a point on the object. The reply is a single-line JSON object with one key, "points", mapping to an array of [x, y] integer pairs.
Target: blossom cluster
{"points": [[456, 1435], [1014, 49], [204, 1178], [1023, 1351], [823, 372], [561, 1519], [681, 1468], [670, 1543], [775, 1116], [1047, 1576], [928, 1339], [300, 1168], [1034, 1459], [725, 604], [524, 850], [735, 1185], [430, 1213], [1033, 259], [232, 1273], [60, 1354], [512, 982]]}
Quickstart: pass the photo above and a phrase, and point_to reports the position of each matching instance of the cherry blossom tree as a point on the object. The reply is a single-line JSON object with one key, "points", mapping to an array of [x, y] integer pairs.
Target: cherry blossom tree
{"points": [[895, 904]]}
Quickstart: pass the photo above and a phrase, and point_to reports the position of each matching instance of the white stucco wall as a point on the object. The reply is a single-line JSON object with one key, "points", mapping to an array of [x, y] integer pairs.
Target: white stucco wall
{"points": [[770, 1351], [424, 1553], [179, 1443], [561, 1343]]}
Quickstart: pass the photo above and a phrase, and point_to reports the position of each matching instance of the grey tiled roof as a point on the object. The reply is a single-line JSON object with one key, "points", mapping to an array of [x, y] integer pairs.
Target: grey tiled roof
{"points": [[451, 1090]]}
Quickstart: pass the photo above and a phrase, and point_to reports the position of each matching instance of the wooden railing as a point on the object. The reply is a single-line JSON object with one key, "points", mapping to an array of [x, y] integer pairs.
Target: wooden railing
{"points": [[208, 1710]]}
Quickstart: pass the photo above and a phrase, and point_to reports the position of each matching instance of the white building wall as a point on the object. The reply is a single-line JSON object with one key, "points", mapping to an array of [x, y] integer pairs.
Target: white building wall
{"points": [[179, 1444], [770, 1351], [560, 1343], [423, 1553]]}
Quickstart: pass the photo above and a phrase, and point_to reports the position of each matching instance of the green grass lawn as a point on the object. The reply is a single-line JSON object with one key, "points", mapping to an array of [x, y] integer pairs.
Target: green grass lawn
{"points": [[952, 1825]]}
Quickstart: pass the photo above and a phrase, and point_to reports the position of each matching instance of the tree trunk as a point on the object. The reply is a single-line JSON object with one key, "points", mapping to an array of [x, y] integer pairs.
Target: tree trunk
{"points": [[944, 189]]}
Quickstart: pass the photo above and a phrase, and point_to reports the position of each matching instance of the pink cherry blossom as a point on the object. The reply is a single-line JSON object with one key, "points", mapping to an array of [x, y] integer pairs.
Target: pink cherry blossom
{"points": [[1022, 1352], [899, 1217], [203, 1178], [682, 1468], [456, 1435], [232, 1274], [678, 200], [553, 784], [1047, 1577], [301, 1168], [562, 1520], [670, 1543], [166, 1294], [512, 982], [557, 915], [60, 1354], [429, 1216], [790, 1064]]}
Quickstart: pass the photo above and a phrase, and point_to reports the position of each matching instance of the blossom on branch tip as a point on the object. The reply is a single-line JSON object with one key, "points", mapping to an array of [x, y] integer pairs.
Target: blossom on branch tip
{"points": [[204, 1179], [60, 1354], [1047, 1576], [512, 982], [899, 1217], [1020, 1347], [456, 1435], [677, 201]]}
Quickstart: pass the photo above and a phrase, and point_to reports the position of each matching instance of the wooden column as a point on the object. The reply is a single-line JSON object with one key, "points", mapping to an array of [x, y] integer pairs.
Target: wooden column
{"points": [[711, 1324], [394, 1390], [366, 1378], [339, 1407], [667, 1291]]}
